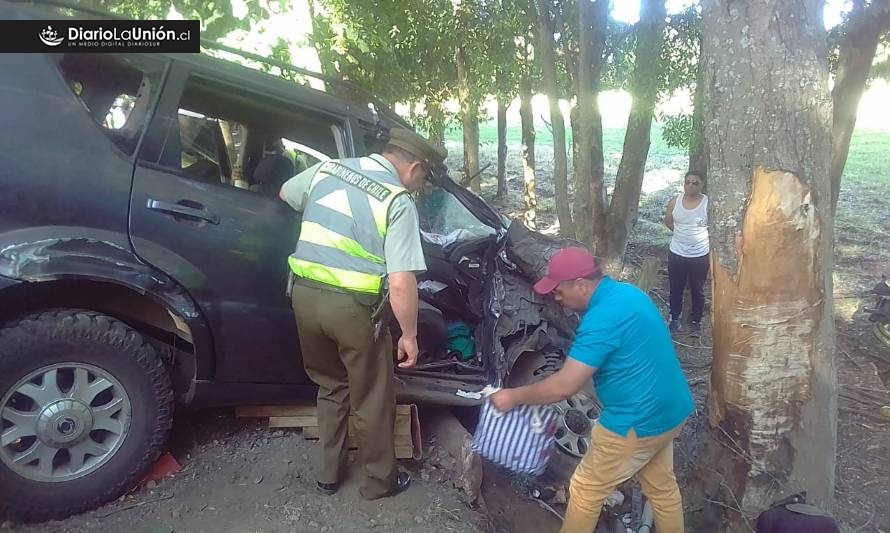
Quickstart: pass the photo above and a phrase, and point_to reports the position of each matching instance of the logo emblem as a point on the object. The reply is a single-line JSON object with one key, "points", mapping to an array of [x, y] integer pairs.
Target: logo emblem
{"points": [[50, 37]]}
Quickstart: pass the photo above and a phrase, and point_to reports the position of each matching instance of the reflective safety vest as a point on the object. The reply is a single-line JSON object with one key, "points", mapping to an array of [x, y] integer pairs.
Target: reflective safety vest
{"points": [[344, 225]]}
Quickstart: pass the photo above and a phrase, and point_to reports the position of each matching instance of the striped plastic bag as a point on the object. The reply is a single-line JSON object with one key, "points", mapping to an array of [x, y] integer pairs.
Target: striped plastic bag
{"points": [[520, 440]]}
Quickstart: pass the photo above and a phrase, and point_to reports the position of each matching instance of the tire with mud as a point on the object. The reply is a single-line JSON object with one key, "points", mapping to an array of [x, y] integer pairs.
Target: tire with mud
{"points": [[86, 406], [576, 414]]}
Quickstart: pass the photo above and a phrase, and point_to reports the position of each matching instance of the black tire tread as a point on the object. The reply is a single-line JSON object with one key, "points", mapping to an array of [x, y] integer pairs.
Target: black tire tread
{"points": [[93, 326]]}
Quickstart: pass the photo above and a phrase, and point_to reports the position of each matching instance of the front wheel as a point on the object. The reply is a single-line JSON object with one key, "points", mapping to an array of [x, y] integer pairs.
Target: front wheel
{"points": [[86, 406]]}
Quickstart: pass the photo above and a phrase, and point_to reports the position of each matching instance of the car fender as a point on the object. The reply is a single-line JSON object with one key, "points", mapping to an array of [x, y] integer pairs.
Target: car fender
{"points": [[108, 261]]}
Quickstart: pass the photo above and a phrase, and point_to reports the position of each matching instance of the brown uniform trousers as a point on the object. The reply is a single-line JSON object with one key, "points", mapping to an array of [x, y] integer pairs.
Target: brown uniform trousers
{"points": [[352, 373]]}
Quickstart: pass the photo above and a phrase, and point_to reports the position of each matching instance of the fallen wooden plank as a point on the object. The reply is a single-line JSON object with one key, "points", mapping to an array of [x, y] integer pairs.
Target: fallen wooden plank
{"points": [[402, 425], [263, 411], [292, 421], [406, 434]]}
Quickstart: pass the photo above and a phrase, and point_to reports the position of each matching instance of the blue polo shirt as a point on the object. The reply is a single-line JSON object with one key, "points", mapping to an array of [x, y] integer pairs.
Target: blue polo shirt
{"points": [[638, 378]]}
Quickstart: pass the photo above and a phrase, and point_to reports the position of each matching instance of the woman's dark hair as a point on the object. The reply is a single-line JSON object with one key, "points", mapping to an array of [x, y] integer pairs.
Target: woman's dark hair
{"points": [[700, 175]]}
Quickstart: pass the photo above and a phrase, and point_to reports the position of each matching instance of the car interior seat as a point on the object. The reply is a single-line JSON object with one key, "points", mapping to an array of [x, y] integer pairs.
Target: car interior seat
{"points": [[271, 173]]}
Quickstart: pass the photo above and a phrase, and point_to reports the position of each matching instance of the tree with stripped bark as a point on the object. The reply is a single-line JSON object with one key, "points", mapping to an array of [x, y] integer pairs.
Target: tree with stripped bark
{"points": [[773, 397]]}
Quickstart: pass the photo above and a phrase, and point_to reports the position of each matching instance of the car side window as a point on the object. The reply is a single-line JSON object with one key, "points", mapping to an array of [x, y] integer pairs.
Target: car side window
{"points": [[230, 137], [117, 91]]}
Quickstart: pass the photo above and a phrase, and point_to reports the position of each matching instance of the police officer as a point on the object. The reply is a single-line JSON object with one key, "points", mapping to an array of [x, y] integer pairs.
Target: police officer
{"points": [[359, 227]]}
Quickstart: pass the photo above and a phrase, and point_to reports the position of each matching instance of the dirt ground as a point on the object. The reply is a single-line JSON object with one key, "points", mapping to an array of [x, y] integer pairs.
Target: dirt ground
{"points": [[240, 476]]}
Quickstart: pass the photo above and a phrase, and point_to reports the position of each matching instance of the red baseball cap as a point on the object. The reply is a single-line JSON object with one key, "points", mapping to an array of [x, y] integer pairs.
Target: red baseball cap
{"points": [[566, 265]]}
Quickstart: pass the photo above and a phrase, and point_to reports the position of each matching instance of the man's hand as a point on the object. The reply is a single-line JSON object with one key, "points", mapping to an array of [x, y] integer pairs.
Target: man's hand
{"points": [[403, 301], [571, 378], [504, 400], [408, 351]]}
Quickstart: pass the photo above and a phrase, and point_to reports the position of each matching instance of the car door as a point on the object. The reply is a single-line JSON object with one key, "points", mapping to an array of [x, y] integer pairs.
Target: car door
{"points": [[226, 245]]}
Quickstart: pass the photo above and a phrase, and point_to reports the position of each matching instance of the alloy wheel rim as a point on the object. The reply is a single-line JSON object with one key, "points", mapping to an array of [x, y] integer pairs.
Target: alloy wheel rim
{"points": [[576, 418], [62, 422]]}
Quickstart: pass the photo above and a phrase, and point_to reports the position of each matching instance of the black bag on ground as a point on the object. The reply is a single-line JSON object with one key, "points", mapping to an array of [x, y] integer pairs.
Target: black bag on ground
{"points": [[793, 515]]}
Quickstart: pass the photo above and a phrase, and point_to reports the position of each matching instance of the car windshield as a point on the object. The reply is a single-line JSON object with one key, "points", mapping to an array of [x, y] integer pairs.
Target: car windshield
{"points": [[443, 219]]}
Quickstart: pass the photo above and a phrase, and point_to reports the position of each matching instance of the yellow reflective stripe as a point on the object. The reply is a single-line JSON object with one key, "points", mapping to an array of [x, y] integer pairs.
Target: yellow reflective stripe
{"points": [[317, 234], [345, 279], [380, 216], [381, 210]]}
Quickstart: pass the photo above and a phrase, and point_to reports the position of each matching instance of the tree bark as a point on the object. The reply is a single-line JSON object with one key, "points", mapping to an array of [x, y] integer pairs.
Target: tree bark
{"points": [[412, 113], [644, 92], [437, 123], [773, 397], [502, 148], [469, 107], [698, 148], [528, 151], [547, 57], [857, 51], [587, 122], [575, 126]]}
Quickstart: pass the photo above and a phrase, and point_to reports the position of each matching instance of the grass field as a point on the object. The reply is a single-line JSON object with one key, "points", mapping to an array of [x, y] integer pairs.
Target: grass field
{"points": [[867, 164], [613, 138]]}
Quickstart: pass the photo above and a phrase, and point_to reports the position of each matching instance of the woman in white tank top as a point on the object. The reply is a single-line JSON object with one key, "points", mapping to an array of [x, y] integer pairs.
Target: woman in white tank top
{"points": [[688, 259]]}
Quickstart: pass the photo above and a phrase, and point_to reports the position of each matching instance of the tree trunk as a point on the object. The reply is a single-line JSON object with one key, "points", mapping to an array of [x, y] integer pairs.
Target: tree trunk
{"points": [[857, 51], [437, 123], [528, 152], [471, 147], [644, 91], [469, 110], [502, 148], [575, 126], [547, 57], [587, 123], [773, 402], [698, 148], [412, 113]]}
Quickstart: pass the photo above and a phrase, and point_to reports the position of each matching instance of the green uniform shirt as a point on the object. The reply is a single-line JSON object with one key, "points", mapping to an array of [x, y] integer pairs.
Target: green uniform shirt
{"points": [[401, 247]]}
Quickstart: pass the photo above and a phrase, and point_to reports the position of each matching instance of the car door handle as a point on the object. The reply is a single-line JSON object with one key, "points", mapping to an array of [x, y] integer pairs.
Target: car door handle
{"points": [[180, 209]]}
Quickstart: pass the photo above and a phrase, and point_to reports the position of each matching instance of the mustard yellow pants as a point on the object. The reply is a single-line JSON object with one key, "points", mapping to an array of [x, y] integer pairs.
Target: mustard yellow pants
{"points": [[612, 460]]}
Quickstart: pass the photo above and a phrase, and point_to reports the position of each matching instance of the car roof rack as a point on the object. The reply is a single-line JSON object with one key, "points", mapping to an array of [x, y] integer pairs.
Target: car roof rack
{"points": [[378, 105]]}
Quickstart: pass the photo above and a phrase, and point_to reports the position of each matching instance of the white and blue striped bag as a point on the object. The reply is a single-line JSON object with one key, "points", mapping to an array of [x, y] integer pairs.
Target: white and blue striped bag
{"points": [[519, 440]]}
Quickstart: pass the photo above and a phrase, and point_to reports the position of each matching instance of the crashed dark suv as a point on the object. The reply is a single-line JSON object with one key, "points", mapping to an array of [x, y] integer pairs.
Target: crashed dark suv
{"points": [[139, 270]]}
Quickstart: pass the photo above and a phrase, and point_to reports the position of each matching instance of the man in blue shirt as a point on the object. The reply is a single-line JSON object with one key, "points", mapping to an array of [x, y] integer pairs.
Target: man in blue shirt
{"points": [[623, 345]]}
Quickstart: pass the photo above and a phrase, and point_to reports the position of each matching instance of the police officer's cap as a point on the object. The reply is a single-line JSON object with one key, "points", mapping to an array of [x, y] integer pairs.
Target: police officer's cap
{"points": [[416, 145]]}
